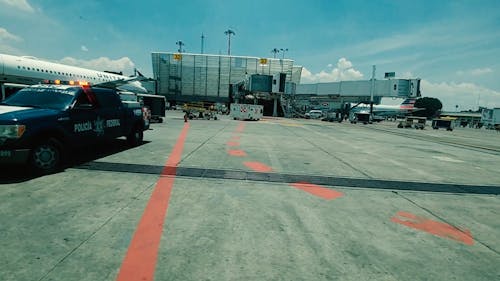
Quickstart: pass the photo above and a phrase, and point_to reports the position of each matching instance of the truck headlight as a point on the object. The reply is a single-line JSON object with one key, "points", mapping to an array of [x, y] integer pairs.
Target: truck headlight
{"points": [[12, 131]]}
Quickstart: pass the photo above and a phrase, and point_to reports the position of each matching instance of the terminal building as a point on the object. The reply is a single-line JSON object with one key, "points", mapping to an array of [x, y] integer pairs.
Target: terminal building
{"points": [[184, 77]]}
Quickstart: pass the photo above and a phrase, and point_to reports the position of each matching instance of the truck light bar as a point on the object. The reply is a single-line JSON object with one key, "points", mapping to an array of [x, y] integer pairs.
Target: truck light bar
{"points": [[71, 82]]}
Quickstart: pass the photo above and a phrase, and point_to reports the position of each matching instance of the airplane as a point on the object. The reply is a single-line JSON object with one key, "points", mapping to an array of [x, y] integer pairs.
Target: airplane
{"points": [[380, 111], [18, 72]]}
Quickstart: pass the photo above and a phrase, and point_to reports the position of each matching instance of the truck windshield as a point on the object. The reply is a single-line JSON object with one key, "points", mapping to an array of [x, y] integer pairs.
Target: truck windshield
{"points": [[59, 99]]}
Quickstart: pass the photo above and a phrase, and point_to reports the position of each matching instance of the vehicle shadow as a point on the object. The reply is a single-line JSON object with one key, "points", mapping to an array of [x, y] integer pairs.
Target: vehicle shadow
{"points": [[21, 173]]}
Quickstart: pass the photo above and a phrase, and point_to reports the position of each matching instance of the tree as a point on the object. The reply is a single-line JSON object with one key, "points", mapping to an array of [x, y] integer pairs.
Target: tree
{"points": [[431, 107]]}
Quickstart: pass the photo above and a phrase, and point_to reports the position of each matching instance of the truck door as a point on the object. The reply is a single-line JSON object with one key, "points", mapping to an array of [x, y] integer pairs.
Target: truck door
{"points": [[109, 114], [82, 119]]}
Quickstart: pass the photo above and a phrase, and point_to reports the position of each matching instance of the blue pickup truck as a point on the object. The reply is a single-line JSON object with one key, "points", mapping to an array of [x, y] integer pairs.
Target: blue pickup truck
{"points": [[41, 124]]}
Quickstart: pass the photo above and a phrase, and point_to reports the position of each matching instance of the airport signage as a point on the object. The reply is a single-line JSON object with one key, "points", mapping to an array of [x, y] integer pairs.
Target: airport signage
{"points": [[177, 56]]}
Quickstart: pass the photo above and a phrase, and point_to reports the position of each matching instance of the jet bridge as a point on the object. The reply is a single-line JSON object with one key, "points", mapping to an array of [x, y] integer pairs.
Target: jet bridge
{"points": [[337, 96], [396, 88]]}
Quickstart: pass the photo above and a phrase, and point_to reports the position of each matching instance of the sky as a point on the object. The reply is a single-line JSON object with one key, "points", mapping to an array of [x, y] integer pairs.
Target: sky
{"points": [[453, 46]]}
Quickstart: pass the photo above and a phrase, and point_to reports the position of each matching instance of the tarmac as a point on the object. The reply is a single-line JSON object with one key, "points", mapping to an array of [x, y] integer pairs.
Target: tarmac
{"points": [[275, 199]]}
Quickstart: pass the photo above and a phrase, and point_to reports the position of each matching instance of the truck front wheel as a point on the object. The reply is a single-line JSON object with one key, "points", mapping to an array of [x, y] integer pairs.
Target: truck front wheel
{"points": [[46, 156]]}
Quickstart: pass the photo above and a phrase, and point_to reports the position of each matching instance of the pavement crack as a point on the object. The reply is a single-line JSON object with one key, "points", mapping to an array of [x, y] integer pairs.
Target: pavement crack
{"points": [[95, 232], [444, 220], [330, 154], [202, 144]]}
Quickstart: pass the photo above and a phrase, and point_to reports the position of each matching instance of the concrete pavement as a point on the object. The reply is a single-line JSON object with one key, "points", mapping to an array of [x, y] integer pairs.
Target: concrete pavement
{"points": [[400, 207]]}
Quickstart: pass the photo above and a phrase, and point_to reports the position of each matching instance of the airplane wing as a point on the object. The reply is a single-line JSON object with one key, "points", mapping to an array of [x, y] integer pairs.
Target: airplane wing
{"points": [[121, 82], [113, 84], [131, 84]]}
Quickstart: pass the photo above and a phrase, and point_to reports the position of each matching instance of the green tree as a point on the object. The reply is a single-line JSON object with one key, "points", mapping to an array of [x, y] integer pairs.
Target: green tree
{"points": [[431, 107]]}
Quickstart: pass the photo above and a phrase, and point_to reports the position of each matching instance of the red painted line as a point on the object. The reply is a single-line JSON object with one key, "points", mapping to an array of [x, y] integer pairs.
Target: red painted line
{"points": [[233, 143], [140, 261], [237, 152], [317, 190], [433, 227], [258, 167], [240, 127]]}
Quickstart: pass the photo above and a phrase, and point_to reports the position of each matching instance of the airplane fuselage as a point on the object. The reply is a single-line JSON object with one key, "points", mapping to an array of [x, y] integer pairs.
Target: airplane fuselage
{"points": [[29, 71], [388, 110]]}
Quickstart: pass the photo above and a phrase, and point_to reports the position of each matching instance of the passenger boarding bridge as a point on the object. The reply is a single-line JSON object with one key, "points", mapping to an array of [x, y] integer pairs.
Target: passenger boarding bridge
{"points": [[334, 96]]}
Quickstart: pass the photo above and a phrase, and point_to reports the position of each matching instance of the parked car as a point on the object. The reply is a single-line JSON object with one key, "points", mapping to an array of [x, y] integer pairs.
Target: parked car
{"points": [[314, 114]]}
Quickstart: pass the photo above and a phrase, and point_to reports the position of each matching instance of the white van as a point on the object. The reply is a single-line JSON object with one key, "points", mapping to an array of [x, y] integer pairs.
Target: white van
{"points": [[246, 111]]}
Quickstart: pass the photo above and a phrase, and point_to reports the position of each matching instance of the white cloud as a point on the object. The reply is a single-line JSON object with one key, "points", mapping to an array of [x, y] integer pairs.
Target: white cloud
{"points": [[475, 72], [22, 5], [124, 64], [84, 48], [465, 95], [343, 71], [481, 71], [7, 36]]}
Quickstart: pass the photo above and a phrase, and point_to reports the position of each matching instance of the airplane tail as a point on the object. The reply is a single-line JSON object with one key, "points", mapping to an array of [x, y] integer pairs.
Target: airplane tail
{"points": [[408, 103], [137, 73]]}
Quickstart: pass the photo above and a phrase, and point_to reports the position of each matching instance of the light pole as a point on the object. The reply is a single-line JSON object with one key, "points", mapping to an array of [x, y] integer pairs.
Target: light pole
{"points": [[283, 53], [282, 57], [275, 51], [229, 32], [180, 44], [202, 42]]}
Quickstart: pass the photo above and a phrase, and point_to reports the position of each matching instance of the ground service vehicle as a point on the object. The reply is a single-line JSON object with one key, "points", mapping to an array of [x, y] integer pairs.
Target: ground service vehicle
{"points": [[491, 118], [200, 110], [156, 104], [412, 121], [362, 117], [240, 111], [443, 123], [39, 125]]}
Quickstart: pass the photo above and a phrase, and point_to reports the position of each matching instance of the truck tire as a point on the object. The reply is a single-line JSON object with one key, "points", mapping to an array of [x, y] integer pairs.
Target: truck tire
{"points": [[46, 156], [136, 137]]}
